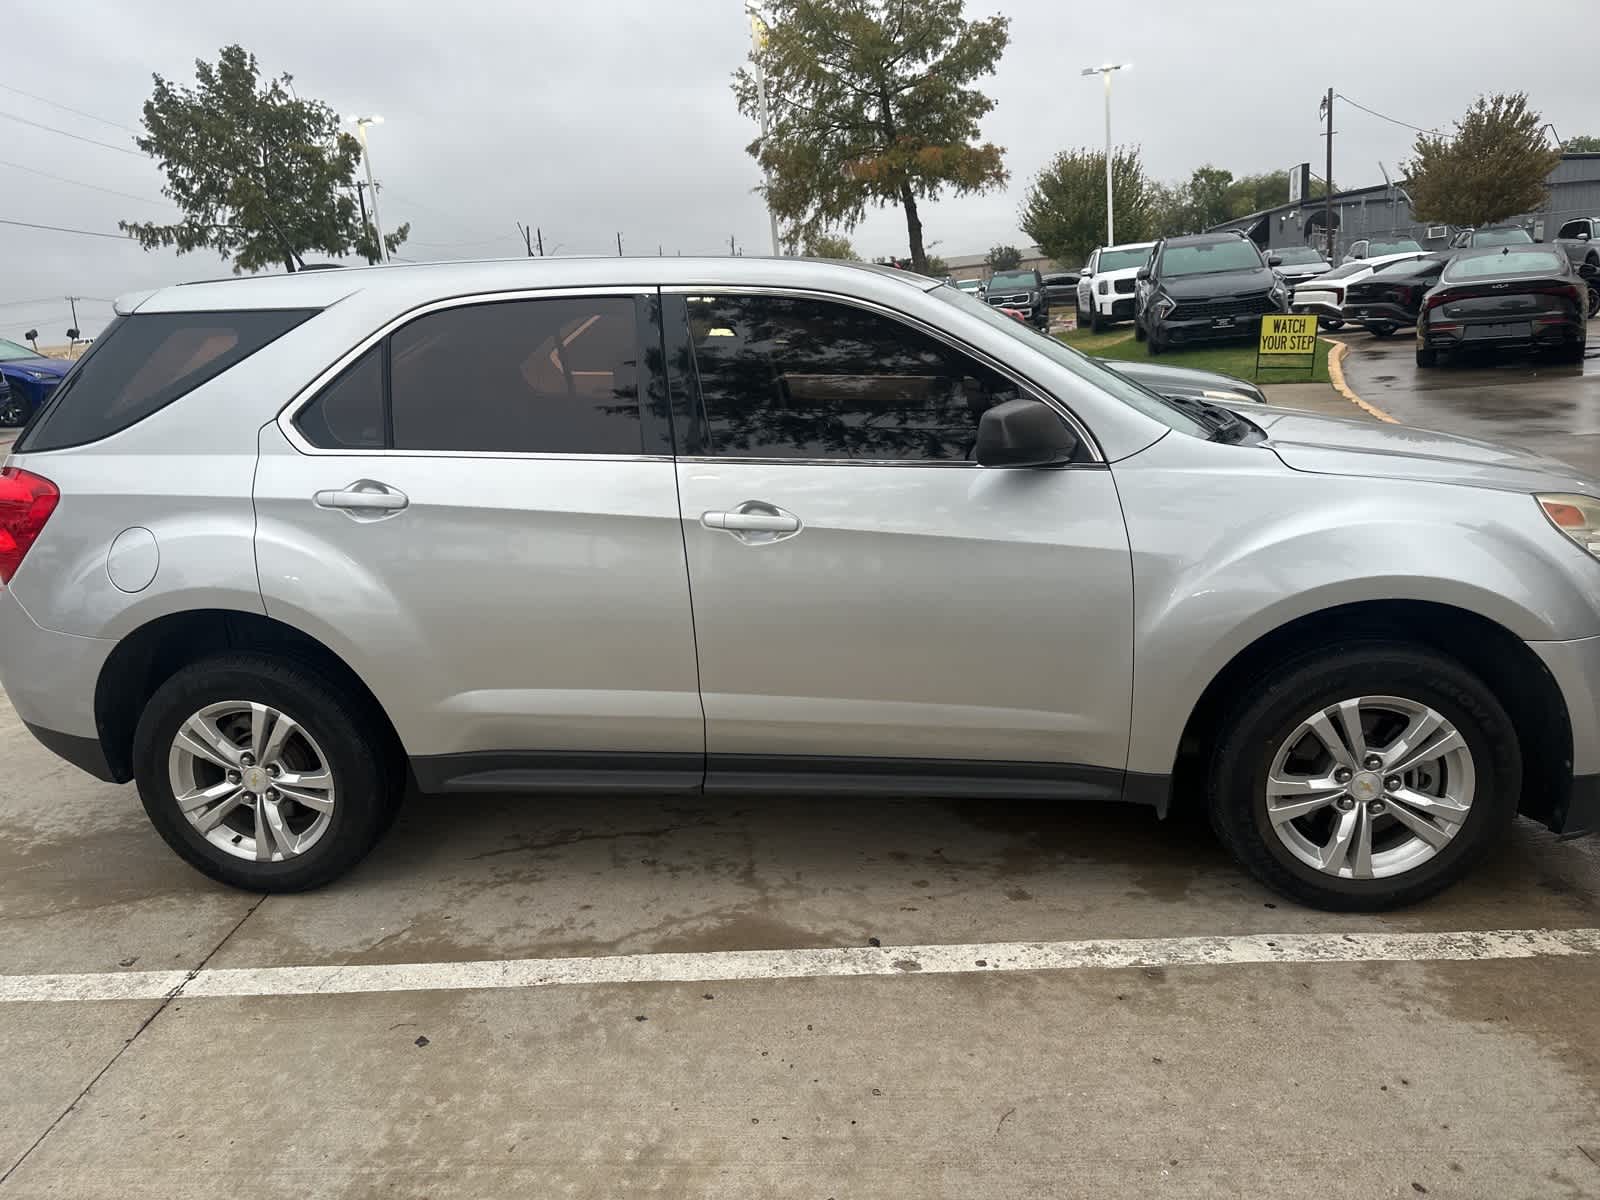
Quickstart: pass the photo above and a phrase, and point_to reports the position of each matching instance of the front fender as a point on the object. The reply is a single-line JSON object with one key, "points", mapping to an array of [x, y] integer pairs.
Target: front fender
{"points": [[1229, 545]]}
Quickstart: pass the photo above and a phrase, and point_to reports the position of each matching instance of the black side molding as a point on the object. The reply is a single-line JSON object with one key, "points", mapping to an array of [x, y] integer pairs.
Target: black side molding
{"points": [[558, 771], [85, 753]]}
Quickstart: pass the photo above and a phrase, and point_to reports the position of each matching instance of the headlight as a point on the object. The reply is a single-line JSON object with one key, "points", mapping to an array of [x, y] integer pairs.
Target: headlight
{"points": [[36, 376], [1164, 305], [1576, 516], [1279, 294], [1102, 288]]}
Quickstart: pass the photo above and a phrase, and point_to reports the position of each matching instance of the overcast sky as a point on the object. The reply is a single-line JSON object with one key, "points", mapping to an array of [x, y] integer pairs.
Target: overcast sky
{"points": [[608, 115]]}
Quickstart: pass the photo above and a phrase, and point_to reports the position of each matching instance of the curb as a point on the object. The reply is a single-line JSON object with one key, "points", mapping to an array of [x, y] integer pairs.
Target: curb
{"points": [[1336, 377]]}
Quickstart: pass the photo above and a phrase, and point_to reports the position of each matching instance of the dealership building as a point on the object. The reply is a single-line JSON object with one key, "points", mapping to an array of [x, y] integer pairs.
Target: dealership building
{"points": [[1385, 211]]}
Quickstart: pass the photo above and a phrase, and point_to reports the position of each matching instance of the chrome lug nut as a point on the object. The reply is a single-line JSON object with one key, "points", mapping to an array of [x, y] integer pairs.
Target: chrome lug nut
{"points": [[247, 759], [1344, 803], [234, 777], [1374, 808], [1394, 783], [1342, 775], [272, 793], [274, 770], [1373, 762]]}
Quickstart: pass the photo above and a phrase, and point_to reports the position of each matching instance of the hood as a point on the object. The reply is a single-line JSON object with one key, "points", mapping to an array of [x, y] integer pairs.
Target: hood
{"points": [[53, 367], [1347, 446], [1222, 283]]}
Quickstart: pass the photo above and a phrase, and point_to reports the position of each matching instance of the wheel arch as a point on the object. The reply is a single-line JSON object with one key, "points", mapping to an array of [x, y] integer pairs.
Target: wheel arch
{"points": [[154, 652], [1512, 671]]}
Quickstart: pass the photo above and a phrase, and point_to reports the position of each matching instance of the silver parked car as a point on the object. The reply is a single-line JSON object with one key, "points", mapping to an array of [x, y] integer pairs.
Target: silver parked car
{"points": [[278, 545]]}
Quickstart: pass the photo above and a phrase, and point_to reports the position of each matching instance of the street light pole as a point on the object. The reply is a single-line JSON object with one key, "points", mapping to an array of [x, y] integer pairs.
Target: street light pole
{"points": [[361, 124], [758, 41], [1104, 71]]}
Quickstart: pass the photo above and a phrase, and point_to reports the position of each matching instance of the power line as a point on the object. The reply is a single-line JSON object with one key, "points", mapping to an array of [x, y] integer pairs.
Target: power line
{"points": [[79, 183], [121, 237], [77, 137], [1384, 116], [68, 108]]}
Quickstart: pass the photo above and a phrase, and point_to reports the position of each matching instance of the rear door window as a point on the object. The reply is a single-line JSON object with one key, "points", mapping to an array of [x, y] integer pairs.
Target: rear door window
{"points": [[141, 364], [548, 376]]}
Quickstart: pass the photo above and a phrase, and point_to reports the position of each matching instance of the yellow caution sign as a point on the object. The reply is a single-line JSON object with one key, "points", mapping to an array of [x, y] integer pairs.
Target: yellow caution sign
{"points": [[1288, 334]]}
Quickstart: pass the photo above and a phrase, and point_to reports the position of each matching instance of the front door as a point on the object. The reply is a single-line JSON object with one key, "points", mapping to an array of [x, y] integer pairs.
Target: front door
{"points": [[479, 517], [869, 602]]}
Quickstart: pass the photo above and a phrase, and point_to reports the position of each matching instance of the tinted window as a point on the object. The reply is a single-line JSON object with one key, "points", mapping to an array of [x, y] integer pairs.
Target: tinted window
{"points": [[556, 376], [1507, 262], [1122, 260], [1395, 265], [348, 413], [1235, 254], [10, 350], [1570, 230], [784, 377], [1015, 279], [1295, 255], [140, 364]]}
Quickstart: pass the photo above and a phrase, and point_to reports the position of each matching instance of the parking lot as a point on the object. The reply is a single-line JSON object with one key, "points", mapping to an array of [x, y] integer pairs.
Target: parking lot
{"points": [[1350, 1066]]}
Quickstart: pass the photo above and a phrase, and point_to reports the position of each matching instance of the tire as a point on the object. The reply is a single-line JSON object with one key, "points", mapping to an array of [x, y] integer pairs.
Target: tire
{"points": [[1573, 352], [1427, 358], [1331, 323], [13, 412], [1264, 723], [335, 726], [1097, 323], [1594, 302], [1157, 346], [1078, 316], [1139, 333], [1382, 329]]}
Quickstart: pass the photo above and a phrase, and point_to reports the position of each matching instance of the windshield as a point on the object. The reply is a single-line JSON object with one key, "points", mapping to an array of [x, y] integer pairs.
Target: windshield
{"points": [[1207, 258], [1015, 279], [1389, 266], [1294, 255], [1085, 368], [1374, 249], [969, 285], [1344, 272], [1123, 260], [10, 350], [1408, 267], [1508, 262], [1502, 237]]}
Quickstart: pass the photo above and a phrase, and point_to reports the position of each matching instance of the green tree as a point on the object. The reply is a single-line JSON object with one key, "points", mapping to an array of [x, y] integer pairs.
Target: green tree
{"points": [[937, 267], [261, 176], [1494, 167], [1003, 258], [1170, 210], [829, 245], [1208, 196], [1582, 144], [1064, 210], [870, 102]]}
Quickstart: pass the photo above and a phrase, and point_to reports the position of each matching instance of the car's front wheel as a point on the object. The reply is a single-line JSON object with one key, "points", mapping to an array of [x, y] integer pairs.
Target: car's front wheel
{"points": [[1365, 777], [1331, 323], [13, 410], [1382, 329], [262, 773]]}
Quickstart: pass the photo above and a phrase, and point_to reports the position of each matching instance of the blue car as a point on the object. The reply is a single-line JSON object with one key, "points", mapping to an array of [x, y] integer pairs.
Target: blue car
{"points": [[29, 380]]}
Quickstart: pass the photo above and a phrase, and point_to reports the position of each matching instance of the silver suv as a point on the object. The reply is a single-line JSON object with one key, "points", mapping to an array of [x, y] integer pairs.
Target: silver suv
{"points": [[279, 546]]}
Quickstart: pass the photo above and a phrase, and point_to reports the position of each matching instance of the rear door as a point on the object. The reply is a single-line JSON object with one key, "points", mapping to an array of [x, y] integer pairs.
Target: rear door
{"points": [[478, 511], [869, 603]]}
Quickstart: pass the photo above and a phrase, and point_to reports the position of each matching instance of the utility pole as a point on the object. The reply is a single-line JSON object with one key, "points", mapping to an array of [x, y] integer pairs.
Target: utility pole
{"points": [[731, 251], [72, 334], [538, 237], [1327, 207], [527, 236], [619, 243], [361, 196], [1104, 71], [361, 124]]}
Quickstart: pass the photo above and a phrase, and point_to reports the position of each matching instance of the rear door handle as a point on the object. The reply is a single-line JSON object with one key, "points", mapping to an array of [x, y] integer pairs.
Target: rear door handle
{"points": [[363, 496]]}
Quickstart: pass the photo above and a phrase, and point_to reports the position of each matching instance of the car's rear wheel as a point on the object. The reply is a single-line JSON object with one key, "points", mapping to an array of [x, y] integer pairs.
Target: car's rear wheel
{"points": [[1426, 357], [1331, 323], [13, 411], [263, 774], [1594, 301], [1382, 329], [1365, 777]]}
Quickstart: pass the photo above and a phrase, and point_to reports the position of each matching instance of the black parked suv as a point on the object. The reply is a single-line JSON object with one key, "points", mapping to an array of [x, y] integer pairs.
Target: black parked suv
{"points": [[1205, 287], [1021, 291]]}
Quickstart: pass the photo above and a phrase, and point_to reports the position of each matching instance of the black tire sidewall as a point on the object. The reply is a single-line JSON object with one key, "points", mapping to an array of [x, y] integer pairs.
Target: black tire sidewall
{"points": [[364, 799], [1253, 734]]}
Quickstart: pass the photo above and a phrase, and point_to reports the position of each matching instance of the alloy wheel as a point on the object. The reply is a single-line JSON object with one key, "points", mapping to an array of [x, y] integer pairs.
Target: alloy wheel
{"points": [[251, 780], [1370, 787]]}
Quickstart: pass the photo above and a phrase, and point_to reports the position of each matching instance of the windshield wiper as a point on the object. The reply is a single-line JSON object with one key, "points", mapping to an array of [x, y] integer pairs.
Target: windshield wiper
{"points": [[1224, 424]]}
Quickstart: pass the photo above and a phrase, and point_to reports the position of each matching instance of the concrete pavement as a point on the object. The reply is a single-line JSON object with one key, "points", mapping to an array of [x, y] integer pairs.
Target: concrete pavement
{"points": [[1330, 1079]]}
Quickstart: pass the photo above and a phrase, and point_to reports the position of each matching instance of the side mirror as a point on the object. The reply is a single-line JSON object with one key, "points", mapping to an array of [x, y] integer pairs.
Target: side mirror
{"points": [[1274, 260], [1144, 272], [1085, 273], [1024, 433], [1583, 237]]}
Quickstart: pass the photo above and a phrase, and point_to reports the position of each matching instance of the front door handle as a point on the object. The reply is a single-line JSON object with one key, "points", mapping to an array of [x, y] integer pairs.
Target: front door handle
{"points": [[754, 522], [364, 496]]}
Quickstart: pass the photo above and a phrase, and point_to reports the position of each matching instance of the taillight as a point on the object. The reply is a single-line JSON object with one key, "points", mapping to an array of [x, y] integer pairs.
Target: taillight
{"points": [[26, 502]]}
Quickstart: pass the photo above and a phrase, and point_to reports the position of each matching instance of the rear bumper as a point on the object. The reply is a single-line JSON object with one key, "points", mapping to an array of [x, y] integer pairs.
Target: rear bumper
{"points": [[50, 679], [1563, 332], [1327, 309], [1372, 314]]}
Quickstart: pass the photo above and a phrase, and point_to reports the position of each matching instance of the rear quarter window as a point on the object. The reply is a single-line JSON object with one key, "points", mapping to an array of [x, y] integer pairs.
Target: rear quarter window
{"points": [[141, 364]]}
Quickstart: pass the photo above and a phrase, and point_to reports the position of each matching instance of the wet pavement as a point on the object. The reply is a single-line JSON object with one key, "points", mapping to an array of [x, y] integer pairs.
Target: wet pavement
{"points": [[1328, 1079], [1545, 406]]}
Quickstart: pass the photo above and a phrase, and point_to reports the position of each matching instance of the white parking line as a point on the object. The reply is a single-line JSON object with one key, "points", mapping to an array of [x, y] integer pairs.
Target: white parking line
{"points": [[749, 965]]}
